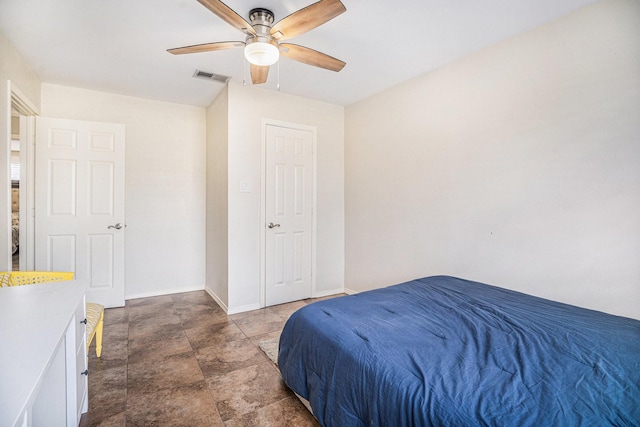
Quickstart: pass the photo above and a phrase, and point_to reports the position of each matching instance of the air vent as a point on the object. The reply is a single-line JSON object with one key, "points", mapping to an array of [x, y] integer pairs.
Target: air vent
{"points": [[211, 76]]}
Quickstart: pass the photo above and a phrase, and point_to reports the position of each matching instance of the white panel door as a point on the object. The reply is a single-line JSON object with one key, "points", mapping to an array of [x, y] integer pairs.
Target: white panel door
{"points": [[79, 204], [288, 214]]}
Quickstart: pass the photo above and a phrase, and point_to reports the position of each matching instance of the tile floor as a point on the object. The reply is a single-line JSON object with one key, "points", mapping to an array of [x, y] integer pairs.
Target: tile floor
{"points": [[179, 360]]}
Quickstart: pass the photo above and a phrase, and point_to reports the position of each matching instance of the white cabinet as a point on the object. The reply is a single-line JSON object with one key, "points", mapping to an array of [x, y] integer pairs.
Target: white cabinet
{"points": [[82, 402], [43, 361]]}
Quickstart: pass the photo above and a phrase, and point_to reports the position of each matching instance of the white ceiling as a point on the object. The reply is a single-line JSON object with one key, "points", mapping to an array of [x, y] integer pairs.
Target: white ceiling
{"points": [[120, 45]]}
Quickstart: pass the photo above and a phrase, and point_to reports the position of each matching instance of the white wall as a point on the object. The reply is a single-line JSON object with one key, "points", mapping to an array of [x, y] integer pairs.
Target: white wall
{"points": [[217, 268], [248, 106], [518, 166], [165, 184], [13, 68]]}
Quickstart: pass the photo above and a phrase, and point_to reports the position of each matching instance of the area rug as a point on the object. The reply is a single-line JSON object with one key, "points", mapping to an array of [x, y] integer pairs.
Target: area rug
{"points": [[270, 348]]}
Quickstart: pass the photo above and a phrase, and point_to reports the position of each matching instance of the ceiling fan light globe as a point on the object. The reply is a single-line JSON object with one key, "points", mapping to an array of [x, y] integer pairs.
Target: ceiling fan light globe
{"points": [[261, 53]]}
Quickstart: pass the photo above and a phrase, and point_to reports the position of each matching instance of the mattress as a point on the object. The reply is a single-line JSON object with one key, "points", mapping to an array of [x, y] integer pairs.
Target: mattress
{"points": [[447, 351]]}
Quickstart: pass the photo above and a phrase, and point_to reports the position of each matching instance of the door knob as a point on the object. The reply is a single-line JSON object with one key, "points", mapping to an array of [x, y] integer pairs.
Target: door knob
{"points": [[272, 225], [118, 226]]}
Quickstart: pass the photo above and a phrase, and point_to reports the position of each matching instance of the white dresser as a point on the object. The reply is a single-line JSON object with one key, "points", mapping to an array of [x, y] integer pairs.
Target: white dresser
{"points": [[43, 377]]}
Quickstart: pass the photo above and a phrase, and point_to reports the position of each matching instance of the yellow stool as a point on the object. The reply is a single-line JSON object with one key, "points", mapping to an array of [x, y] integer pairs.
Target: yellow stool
{"points": [[95, 323], [19, 278], [4, 279]]}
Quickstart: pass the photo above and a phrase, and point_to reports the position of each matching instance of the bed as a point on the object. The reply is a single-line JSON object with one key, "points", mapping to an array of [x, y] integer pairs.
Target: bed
{"points": [[451, 352], [15, 220], [15, 238]]}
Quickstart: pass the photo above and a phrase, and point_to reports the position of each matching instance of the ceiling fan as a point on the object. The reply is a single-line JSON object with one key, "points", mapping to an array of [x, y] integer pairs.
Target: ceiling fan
{"points": [[262, 46]]}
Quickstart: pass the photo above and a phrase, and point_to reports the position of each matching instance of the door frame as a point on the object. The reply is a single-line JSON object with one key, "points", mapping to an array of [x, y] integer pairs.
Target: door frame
{"points": [[263, 185], [19, 102]]}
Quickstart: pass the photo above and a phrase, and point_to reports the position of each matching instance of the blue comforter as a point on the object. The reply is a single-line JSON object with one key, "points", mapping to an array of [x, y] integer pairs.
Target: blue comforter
{"points": [[449, 352]]}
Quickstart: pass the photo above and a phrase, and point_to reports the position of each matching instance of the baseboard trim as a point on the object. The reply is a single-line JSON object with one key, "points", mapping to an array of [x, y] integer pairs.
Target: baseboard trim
{"points": [[328, 293], [217, 300], [164, 292], [242, 309], [235, 310]]}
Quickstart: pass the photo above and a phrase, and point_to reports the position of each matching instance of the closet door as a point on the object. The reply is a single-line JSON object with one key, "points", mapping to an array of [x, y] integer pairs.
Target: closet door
{"points": [[289, 214]]}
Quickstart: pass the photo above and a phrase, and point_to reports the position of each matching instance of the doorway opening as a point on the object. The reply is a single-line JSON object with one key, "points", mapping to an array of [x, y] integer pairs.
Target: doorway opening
{"points": [[15, 192], [22, 124]]}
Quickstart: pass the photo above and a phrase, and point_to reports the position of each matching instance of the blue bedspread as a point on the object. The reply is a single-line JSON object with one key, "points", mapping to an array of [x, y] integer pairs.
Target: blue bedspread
{"points": [[449, 352]]}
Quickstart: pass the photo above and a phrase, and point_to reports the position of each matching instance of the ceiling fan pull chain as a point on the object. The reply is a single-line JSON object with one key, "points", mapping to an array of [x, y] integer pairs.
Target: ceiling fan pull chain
{"points": [[278, 72], [244, 71]]}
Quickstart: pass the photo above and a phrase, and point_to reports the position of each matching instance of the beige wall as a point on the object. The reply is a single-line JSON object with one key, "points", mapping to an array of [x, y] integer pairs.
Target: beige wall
{"points": [[164, 184], [247, 107], [14, 69], [518, 166], [217, 268]]}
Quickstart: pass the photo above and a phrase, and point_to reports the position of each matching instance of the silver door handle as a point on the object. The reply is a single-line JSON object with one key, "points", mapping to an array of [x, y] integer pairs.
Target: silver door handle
{"points": [[118, 226], [272, 225]]}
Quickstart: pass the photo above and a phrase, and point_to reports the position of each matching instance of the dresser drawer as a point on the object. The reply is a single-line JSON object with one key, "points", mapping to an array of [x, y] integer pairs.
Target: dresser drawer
{"points": [[81, 327], [82, 379]]}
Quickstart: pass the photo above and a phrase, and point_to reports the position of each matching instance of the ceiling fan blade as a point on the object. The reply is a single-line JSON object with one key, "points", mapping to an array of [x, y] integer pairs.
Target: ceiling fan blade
{"points": [[205, 47], [228, 15], [259, 74], [311, 57], [307, 19]]}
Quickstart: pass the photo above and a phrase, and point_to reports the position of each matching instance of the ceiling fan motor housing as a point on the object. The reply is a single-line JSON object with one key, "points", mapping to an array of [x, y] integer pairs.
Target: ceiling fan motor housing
{"points": [[261, 21], [260, 16], [257, 50]]}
